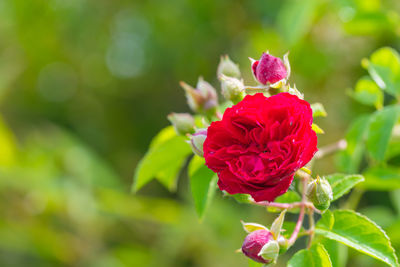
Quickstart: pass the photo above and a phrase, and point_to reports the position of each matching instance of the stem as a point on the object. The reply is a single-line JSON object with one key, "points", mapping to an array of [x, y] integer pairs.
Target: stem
{"points": [[327, 150], [287, 206], [311, 229], [330, 149], [296, 231]]}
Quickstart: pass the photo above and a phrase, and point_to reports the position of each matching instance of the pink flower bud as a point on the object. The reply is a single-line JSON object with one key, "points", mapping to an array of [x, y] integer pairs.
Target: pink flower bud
{"points": [[269, 69], [253, 244]]}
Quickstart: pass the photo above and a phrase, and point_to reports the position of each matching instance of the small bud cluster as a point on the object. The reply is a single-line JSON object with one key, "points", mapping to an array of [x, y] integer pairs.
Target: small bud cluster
{"points": [[269, 71]]}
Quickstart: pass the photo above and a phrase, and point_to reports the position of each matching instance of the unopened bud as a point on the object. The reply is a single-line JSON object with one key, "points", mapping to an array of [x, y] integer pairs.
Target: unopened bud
{"points": [[183, 122], [232, 88], [228, 68], [269, 69], [261, 246], [201, 99], [197, 141], [319, 192]]}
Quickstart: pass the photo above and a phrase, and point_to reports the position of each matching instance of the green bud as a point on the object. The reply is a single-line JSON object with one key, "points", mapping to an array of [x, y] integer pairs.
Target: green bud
{"points": [[228, 68], [183, 122], [319, 192], [197, 141], [232, 88]]}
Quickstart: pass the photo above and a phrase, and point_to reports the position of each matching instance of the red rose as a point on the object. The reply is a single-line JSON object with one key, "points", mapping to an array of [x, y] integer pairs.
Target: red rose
{"points": [[259, 144], [269, 69]]}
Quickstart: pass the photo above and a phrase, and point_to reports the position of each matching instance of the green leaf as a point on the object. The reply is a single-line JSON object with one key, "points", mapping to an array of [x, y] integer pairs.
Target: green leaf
{"points": [[288, 197], [384, 68], [163, 160], [368, 93], [382, 215], [342, 183], [255, 264], [358, 232], [380, 130], [337, 251], [203, 183], [382, 178], [349, 159], [318, 110], [316, 256]]}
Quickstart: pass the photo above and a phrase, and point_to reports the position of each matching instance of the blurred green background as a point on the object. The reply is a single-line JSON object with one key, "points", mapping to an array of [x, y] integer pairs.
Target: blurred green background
{"points": [[85, 85]]}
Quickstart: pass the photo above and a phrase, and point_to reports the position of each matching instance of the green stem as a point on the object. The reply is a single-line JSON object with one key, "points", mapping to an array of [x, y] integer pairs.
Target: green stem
{"points": [[311, 229]]}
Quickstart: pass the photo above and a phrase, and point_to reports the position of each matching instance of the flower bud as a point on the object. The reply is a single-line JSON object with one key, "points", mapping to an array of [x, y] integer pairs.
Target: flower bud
{"points": [[232, 88], [228, 68], [197, 141], [182, 122], [260, 246], [319, 192], [269, 69], [201, 99]]}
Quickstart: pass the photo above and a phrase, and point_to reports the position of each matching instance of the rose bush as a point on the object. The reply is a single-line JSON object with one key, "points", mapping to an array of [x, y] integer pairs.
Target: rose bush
{"points": [[259, 144]]}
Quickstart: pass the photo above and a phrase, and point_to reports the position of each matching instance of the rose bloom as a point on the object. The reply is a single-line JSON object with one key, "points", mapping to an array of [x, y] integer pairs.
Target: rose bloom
{"points": [[260, 143]]}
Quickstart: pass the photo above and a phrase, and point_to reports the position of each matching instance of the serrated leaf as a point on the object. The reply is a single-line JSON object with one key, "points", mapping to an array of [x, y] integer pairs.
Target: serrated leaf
{"points": [[317, 129], [342, 183], [367, 92], [203, 184], [337, 251], [316, 256], [382, 178], [163, 160], [318, 110], [349, 159], [384, 68], [358, 232], [380, 130]]}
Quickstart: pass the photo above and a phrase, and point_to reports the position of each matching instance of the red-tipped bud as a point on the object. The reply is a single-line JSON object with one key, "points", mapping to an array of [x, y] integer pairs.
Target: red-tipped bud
{"points": [[269, 69], [261, 246]]}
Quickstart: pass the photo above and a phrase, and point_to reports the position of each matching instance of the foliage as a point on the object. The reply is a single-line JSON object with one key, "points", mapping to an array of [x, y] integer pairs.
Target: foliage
{"points": [[84, 85]]}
